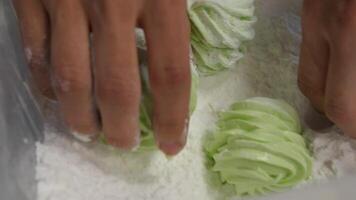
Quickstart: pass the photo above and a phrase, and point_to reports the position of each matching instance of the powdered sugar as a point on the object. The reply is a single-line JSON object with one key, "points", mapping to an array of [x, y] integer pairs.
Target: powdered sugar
{"points": [[71, 170], [335, 155]]}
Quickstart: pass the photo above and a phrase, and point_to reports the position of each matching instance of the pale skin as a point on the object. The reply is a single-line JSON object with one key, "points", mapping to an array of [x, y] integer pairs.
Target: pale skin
{"points": [[56, 35]]}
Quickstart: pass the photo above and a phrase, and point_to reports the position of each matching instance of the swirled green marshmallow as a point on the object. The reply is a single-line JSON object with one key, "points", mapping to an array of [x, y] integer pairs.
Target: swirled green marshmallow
{"points": [[258, 147], [147, 138], [218, 32]]}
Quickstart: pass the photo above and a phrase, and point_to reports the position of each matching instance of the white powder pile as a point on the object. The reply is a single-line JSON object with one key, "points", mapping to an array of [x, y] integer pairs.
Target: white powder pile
{"points": [[73, 171]]}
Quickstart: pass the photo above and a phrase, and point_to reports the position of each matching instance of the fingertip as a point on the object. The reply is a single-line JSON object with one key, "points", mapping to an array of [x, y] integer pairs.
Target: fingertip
{"points": [[172, 144], [171, 148], [316, 120], [127, 144]]}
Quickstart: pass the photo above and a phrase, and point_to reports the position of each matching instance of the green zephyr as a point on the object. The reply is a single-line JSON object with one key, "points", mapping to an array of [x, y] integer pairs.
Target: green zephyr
{"points": [[147, 137], [218, 31], [258, 147]]}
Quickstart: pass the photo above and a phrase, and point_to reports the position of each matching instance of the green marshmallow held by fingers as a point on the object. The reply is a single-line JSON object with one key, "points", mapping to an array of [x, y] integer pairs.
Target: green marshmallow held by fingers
{"points": [[147, 138], [258, 147], [147, 142], [218, 30]]}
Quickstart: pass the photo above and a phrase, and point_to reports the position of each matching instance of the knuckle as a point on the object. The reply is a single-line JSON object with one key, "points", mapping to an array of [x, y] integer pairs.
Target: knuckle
{"points": [[114, 92], [164, 4], [340, 111], [120, 11], [99, 9], [69, 80], [58, 10], [172, 76], [307, 4], [103, 6], [311, 8], [308, 88], [345, 17], [161, 16]]}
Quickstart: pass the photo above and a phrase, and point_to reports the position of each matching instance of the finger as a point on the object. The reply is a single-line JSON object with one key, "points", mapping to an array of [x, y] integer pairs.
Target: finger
{"points": [[168, 51], [340, 89], [70, 59], [35, 34], [117, 76], [314, 56], [312, 77]]}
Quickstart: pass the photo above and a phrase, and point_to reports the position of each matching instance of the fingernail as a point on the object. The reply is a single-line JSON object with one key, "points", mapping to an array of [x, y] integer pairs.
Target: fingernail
{"points": [[83, 137], [126, 146], [171, 148]]}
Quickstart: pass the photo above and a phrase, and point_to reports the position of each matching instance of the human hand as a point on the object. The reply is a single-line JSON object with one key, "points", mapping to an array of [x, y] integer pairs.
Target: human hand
{"points": [[327, 72], [57, 42]]}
